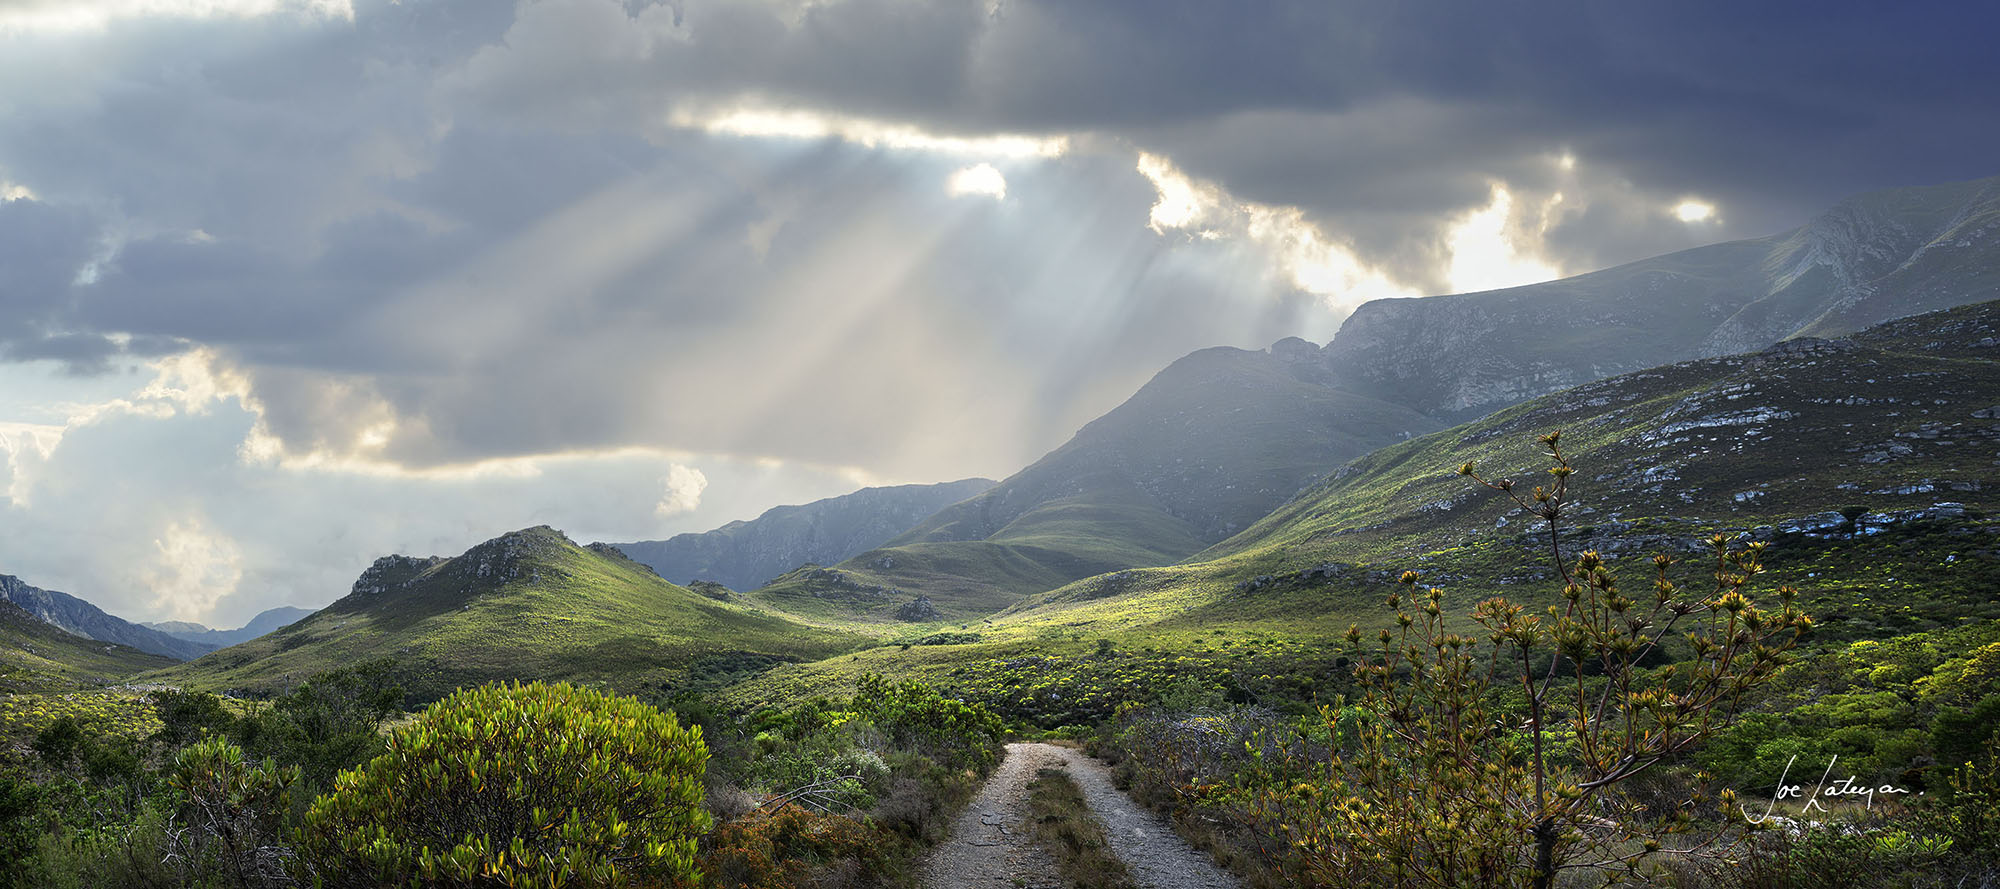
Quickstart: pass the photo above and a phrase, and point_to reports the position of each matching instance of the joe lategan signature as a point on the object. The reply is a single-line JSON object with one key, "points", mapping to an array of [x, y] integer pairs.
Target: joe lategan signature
{"points": [[1845, 788]]}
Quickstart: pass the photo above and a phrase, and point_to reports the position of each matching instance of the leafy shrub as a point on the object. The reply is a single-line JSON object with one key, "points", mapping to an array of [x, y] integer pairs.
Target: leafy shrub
{"points": [[519, 785], [232, 813], [330, 722], [915, 716], [796, 847], [189, 716]]}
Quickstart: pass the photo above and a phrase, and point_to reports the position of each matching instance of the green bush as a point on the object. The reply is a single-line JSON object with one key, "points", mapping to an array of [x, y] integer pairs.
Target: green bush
{"points": [[232, 813], [519, 785], [915, 716], [330, 722]]}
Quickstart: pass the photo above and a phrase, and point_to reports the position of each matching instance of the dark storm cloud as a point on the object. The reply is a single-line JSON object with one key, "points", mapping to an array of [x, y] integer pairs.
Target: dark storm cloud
{"points": [[475, 219]]}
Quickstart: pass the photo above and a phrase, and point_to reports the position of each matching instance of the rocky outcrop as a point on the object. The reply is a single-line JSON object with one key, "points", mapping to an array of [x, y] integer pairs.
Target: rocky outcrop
{"points": [[746, 555], [918, 609]]}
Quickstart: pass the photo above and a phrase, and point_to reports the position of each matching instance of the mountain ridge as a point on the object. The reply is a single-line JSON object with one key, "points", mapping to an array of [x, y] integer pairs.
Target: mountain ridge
{"points": [[80, 618], [746, 554]]}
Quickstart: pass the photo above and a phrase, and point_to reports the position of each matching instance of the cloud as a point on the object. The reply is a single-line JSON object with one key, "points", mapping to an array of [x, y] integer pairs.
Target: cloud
{"points": [[683, 487], [193, 568], [978, 179], [37, 16]]}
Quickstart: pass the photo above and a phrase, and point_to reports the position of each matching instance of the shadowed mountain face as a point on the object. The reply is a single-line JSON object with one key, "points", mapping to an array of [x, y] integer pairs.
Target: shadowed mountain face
{"points": [[526, 605], [1875, 257], [46, 656], [81, 618], [745, 555], [265, 621], [1223, 436]]}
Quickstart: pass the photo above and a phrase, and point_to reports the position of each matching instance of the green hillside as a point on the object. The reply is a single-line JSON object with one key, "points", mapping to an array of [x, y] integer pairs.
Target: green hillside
{"points": [[527, 605], [1200, 452], [38, 657], [1898, 426]]}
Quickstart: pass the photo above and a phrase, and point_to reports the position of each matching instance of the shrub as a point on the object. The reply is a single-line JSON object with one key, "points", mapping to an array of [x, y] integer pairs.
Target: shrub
{"points": [[519, 785], [797, 847], [1496, 794], [330, 722], [232, 814], [188, 716], [915, 716]]}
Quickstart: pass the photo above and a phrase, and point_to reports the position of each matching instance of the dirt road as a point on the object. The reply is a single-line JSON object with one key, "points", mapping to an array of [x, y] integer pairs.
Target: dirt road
{"points": [[990, 845]]}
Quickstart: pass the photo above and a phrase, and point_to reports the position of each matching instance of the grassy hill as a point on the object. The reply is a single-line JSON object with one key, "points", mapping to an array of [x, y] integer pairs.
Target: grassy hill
{"points": [[38, 657], [1898, 426], [1201, 451], [527, 605]]}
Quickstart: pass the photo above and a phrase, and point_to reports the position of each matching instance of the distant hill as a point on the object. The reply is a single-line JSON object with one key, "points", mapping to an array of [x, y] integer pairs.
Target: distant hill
{"points": [[37, 656], [264, 622], [81, 618], [526, 605], [746, 555], [1878, 256], [1208, 446]]}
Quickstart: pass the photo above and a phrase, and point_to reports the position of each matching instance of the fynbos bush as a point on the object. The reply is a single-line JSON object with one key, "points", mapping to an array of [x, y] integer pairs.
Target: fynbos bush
{"points": [[519, 785]]}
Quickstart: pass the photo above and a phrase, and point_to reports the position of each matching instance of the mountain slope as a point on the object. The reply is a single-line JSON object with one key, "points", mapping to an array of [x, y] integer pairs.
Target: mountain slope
{"points": [[81, 618], [1874, 257], [1870, 466], [745, 555], [37, 656], [1225, 435], [266, 621], [1207, 446], [526, 605]]}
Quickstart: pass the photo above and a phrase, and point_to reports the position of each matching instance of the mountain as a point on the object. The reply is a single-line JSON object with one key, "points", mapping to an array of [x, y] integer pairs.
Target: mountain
{"points": [[1868, 465], [264, 622], [81, 618], [1224, 435], [526, 605], [1875, 257], [1206, 447], [745, 555], [37, 656]]}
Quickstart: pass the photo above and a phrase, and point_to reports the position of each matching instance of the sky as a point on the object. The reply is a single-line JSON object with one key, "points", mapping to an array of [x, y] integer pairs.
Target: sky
{"points": [[287, 285]]}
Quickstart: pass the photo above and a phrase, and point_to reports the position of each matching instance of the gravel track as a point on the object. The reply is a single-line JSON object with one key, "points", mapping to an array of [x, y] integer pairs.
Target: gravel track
{"points": [[991, 845]]}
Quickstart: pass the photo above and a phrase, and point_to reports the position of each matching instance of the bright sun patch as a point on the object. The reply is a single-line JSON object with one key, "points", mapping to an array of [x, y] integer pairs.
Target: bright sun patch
{"points": [[978, 179], [1691, 210]]}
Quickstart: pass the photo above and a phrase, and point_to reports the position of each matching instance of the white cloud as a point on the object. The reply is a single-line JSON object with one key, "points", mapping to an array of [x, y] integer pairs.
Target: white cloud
{"points": [[773, 123], [978, 179], [1495, 246], [1309, 258], [682, 493], [192, 569], [24, 447], [44, 16]]}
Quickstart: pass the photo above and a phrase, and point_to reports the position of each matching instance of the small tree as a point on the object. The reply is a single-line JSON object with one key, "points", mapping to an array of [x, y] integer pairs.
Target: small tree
{"points": [[517, 786], [1496, 759], [231, 814]]}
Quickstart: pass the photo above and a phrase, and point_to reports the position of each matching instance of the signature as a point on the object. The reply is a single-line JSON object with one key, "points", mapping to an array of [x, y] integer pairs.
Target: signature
{"points": [[1826, 789]]}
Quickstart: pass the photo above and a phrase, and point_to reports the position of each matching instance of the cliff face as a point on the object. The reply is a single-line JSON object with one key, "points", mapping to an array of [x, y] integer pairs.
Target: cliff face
{"points": [[80, 618], [743, 555], [1875, 257]]}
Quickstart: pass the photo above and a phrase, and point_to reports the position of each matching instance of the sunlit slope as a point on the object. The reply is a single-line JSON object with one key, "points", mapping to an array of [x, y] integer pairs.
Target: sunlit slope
{"points": [[37, 656], [527, 605], [1204, 449], [1897, 427]]}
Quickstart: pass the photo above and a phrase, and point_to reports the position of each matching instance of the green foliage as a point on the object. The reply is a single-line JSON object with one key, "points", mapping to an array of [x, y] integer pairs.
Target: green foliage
{"points": [[1480, 805], [915, 716], [189, 716], [330, 722], [19, 801], [232, 814], [519, 785]]}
